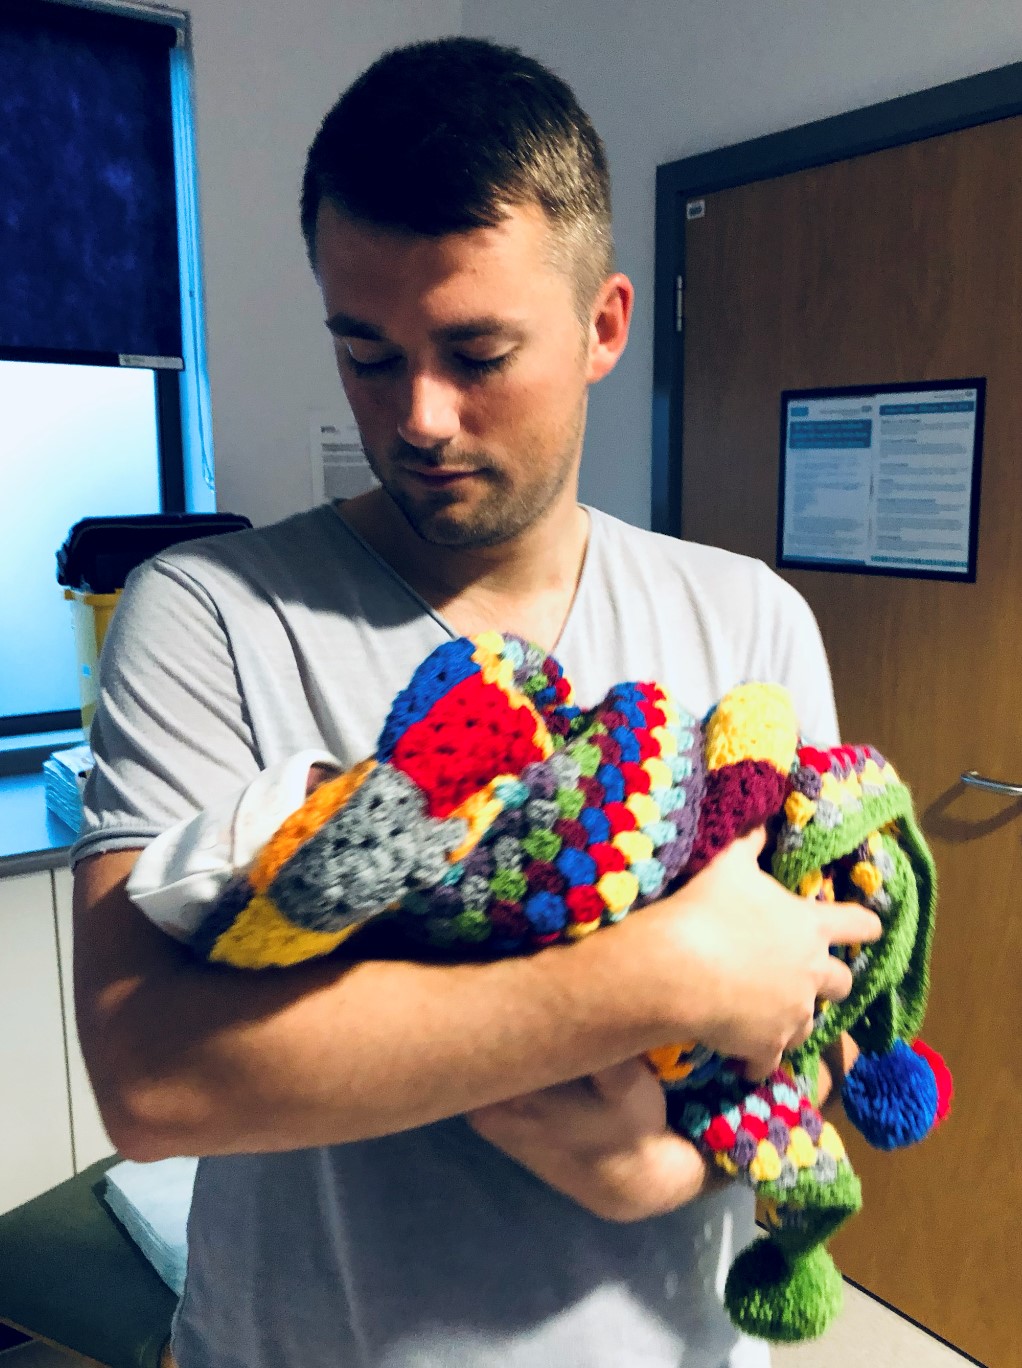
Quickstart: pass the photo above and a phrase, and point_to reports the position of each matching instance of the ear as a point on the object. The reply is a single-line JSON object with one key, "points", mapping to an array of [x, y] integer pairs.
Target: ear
{"points": [[608, 325]]}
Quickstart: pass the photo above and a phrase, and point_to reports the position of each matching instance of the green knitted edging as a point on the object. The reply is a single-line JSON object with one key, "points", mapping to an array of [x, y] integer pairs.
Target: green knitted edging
{"points": [[822, 845], [844, 1192], [889, 1001], [773, 1299]]}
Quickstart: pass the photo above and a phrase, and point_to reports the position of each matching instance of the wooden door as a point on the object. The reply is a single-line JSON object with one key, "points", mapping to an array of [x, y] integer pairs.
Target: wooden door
{"points": [[904, 265]]}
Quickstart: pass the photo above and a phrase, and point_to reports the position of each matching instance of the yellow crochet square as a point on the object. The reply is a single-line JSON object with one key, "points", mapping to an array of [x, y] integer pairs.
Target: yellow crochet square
{"points": [[753, 722], [261, 937]]}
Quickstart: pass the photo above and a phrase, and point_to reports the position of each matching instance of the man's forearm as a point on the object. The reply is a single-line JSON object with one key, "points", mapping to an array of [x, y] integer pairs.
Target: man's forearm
{"points": [[187, 1058]]}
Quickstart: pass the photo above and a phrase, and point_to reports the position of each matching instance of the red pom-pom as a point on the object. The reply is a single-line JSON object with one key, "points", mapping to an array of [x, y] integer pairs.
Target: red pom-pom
{"points": [[942, 1074]]}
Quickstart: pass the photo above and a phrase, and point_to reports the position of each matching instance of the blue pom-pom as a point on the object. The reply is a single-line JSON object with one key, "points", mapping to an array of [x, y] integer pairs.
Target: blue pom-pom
{"points": [[891, 1098]]}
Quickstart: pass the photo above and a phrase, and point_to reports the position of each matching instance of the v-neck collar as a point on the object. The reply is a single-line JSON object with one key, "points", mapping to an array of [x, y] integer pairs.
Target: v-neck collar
{"points": [[585, 575]]}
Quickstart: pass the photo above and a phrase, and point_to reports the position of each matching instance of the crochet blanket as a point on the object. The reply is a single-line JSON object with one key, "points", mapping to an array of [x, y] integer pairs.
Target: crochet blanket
{"points": [[496, 817]]}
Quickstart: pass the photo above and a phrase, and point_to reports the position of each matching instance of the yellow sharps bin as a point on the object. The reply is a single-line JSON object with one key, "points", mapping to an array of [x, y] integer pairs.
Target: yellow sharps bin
{"points": [[91, 614], [96, 559]]}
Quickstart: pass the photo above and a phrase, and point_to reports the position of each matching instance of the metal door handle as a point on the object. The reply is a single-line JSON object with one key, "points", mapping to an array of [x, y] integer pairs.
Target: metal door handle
{"points": [[994, 785]]}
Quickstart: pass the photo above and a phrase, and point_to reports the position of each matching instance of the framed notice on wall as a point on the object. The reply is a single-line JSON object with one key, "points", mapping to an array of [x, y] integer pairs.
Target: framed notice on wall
{"points": [[882, 479]]}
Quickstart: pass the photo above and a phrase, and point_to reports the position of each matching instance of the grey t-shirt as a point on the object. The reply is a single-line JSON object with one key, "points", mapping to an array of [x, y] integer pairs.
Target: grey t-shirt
{"points": [[426, 1249]]}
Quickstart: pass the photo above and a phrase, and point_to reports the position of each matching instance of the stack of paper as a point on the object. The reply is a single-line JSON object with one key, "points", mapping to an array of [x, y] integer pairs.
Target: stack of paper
{"points": [[152, 1202], [64, 776]]}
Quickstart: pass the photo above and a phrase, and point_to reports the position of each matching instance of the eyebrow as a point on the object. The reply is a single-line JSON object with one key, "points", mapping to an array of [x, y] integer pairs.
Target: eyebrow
{"points": [[345, 325]]}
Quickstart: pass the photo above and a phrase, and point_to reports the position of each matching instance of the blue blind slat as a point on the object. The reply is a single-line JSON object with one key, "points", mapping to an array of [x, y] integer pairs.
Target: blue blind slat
{"points": [[88, 220]]}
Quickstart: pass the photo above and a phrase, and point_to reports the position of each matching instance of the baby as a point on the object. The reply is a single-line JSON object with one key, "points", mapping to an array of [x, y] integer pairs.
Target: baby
{"points": [[496, 817]]}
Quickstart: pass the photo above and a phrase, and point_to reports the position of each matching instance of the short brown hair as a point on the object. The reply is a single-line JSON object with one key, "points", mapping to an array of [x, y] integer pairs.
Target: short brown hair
{"points": [[445, 136]]}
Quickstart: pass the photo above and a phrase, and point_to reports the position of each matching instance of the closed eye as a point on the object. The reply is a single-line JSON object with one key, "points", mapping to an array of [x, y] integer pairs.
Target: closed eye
{"points": [[485, 365], [472, 365], [369, 367]]}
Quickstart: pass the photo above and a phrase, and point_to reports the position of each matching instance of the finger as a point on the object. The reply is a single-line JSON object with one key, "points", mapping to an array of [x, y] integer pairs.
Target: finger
{"points": [[850, 923], [616, 1080], [761, 1067], [840, 1058], [836, 981]]}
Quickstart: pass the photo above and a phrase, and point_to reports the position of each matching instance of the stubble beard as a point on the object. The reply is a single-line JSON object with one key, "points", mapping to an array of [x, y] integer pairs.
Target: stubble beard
{"points": [[500, 516]]}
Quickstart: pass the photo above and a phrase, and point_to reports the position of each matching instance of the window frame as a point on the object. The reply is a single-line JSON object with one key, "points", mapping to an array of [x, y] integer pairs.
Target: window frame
{"points": [[183, 410]]}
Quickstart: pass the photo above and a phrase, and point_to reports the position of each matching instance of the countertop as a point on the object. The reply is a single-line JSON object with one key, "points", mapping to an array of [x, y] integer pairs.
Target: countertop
{"points": [[31, 837]]}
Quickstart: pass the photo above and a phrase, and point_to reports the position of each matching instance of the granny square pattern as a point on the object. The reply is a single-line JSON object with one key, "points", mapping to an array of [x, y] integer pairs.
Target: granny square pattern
{"points": [[497, 817]]}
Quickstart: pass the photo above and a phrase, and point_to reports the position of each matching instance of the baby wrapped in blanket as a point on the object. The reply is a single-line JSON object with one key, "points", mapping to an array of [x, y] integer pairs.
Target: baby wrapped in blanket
{"points": [[496, 817]]}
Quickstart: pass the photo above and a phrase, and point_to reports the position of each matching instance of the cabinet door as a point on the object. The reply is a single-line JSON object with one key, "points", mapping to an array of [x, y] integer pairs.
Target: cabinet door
{"points": [[35, 1129], [91, 1141]]}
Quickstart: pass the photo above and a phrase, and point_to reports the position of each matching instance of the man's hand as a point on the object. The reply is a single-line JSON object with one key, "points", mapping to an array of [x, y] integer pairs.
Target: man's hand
{"points": [[602, 1140], [761, 955]]}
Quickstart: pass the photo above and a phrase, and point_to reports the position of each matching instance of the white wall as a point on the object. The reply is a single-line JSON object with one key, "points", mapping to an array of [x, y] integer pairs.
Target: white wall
{"points": [[663, 79], [265, 74]]}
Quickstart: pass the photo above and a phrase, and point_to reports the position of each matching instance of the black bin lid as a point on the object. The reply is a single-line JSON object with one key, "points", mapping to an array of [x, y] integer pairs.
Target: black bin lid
{"points": [[99, 554]]}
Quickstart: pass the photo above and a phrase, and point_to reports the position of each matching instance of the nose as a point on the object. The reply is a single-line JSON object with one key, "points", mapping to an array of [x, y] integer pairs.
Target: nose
{"points": [[431, 414]]}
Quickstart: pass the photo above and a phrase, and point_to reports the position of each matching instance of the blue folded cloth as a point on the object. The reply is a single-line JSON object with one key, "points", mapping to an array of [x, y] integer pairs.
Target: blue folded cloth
{"points": [[152, 1202]]}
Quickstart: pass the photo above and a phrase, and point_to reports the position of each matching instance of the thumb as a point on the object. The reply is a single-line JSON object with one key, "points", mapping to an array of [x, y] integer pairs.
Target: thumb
{"points": [[753, 842], [760, 1067]]}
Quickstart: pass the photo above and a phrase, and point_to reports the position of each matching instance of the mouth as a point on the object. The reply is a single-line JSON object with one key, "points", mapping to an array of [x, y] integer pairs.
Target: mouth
{"points": [[439, 479]]}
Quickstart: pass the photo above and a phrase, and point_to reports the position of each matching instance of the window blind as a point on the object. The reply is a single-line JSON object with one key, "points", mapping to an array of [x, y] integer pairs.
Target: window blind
{"points": [[88, 222]]}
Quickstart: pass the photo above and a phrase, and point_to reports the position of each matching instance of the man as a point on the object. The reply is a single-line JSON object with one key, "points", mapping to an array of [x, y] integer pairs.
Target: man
{"points": [[415, 1164]]}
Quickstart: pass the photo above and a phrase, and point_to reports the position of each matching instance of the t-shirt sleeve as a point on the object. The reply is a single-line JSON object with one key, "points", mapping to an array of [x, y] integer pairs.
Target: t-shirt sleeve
{"points": [[791, 638], [171, 735]]}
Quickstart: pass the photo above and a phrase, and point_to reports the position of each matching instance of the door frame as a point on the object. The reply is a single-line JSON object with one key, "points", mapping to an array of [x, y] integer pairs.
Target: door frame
{"points": [[947, 108]]}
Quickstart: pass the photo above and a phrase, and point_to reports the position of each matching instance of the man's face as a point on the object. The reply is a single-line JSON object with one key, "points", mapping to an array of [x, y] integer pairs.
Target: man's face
{"points": [[466, 367]]}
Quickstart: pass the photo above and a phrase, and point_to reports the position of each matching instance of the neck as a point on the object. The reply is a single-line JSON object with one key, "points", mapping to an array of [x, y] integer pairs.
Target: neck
{"points": [[525, 585]]}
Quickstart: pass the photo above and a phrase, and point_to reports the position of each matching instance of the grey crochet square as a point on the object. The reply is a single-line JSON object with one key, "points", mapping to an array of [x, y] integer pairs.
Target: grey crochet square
{"points": [[377, 849]]}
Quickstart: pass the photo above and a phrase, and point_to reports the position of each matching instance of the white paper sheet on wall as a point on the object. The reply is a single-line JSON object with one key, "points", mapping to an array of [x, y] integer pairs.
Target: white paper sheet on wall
{"points": [[337, 461]]}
